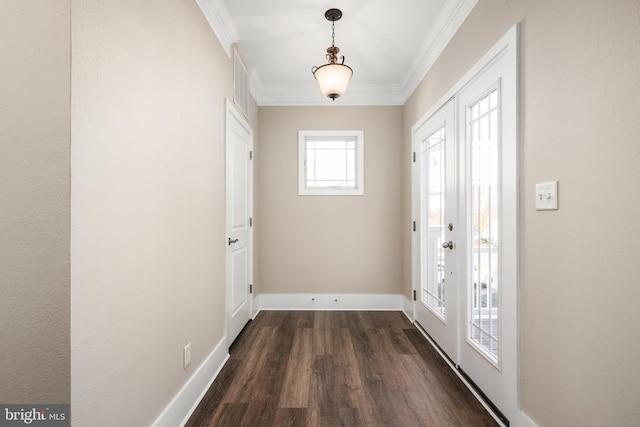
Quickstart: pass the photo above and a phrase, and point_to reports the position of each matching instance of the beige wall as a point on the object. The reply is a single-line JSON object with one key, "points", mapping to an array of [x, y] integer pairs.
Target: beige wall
{"points": [[579, 271], [327, 244], [34, 195], [147, 220]]}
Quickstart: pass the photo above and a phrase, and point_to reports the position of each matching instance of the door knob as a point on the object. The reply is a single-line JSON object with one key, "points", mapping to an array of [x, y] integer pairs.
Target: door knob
{"points": [[448, 244], [232, 241]]}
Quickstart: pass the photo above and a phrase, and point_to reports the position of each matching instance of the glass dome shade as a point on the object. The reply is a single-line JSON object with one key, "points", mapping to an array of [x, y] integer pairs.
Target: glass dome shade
{"points": [[333, 79]]}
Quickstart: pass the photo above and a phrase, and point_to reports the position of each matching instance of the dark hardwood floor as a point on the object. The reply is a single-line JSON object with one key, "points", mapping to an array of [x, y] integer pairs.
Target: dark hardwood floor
{"points": [[328, 368]]}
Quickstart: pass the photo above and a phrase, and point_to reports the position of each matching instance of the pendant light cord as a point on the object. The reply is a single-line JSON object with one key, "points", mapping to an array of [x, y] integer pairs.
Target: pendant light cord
{"points": [[333, 33]]}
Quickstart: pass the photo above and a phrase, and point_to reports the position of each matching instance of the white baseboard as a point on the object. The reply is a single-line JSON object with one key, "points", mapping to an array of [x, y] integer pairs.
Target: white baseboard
{"points": [[524, 420], [181, 407], [407, 308], [347, 302], [255, 306]]}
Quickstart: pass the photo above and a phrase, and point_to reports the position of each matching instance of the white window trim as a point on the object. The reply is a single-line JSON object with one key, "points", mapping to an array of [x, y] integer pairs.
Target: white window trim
{"points": [[303, 190]]}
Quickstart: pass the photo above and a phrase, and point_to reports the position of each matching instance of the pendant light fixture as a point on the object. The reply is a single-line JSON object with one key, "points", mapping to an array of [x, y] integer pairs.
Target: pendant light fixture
{"points": [[333, 77]]}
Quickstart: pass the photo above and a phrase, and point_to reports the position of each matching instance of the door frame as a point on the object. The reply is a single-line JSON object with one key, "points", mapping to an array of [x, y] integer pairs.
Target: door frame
{"points": [[234, 114], [507, 45]]}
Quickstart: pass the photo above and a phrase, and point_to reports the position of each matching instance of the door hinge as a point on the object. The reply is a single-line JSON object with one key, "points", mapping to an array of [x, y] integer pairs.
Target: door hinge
{"points": [[414, 157], [414, 226], [250, 289], [250, 222], [251, 155], [414, 295]]}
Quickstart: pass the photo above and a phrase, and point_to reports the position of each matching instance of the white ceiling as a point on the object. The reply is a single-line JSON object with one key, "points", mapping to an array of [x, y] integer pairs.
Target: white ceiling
{"points": [[389, 45]]}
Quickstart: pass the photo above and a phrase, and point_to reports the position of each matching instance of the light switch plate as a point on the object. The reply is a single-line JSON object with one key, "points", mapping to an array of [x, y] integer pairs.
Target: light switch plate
{"points": [[547, 196]]}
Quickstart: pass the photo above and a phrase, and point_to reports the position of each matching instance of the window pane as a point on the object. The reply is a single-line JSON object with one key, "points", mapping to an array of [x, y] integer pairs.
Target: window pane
{"points": [[331, 163]]}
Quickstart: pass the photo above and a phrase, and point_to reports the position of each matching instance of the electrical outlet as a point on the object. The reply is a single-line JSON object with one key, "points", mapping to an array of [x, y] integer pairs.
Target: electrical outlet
{"points": [[186, 355]]}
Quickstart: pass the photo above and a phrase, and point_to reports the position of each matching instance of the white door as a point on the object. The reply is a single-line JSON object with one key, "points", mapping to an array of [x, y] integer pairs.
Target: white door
{"points": [[487, 126], [468, 291], [239, 206], [434, 170]]}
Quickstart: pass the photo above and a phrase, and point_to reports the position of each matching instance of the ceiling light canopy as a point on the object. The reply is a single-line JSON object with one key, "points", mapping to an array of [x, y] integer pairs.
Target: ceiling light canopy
{"points": [[333, 77]]}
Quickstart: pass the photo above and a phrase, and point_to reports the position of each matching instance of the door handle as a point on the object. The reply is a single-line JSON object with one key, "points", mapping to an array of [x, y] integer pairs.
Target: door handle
{"points": [[448, 244], [232, 241]]}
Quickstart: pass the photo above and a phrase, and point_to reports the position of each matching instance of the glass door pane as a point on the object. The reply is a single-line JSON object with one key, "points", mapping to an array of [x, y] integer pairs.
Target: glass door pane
{"points": [[484, 241], [433, 234]]}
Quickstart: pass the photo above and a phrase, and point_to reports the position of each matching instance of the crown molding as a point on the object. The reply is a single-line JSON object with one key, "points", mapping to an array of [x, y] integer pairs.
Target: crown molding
{"points": [[220, 21], [450, 19]]}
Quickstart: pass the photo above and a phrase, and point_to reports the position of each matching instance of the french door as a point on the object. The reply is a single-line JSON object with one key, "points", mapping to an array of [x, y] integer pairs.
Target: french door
{"points": [[465, 245], [435, 170], [487, 127]]}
